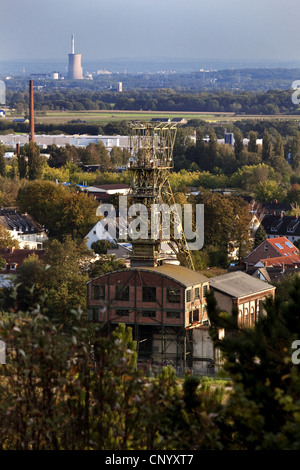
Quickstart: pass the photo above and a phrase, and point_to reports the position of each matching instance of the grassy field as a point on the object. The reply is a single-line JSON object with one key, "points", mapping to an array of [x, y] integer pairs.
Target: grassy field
{"points": [[103, 117]]}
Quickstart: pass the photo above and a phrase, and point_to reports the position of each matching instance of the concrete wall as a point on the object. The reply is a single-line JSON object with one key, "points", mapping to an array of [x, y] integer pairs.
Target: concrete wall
{"points": [[203, 350]]}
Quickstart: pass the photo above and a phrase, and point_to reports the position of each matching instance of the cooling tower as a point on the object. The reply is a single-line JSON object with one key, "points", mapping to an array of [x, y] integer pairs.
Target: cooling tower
{"points": [[75, 69]]}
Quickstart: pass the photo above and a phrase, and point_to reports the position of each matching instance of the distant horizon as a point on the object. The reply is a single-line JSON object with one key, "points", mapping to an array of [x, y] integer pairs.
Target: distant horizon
{"points": [[142, 64]]}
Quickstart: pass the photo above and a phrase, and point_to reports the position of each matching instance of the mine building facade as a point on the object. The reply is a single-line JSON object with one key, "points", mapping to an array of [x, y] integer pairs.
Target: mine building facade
{"points": [[162, 304]]}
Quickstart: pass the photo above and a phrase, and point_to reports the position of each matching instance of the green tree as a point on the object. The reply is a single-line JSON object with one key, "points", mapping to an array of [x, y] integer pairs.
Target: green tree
{"points": [[212, 147], [65, 282], [62, 211], [22, 165], [105, 264], [116, 156], [227, 219], [266, 147], [30, 282], [260, 236], [199, 140], [100, 247], [295, 151], [2, 161], [279, 146], [262, 412], [238, 145], [268, 191], [6, 239], [252, 145], [35, 161]]}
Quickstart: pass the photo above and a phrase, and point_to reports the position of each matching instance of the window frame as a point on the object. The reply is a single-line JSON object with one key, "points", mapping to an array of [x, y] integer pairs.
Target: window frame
{"points": [[174, 295], [100, 296], [151, 297], [122, 293]]}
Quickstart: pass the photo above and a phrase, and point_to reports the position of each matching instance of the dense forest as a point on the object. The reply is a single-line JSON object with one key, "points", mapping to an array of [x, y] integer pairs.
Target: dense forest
{"points": [[165, 99]]}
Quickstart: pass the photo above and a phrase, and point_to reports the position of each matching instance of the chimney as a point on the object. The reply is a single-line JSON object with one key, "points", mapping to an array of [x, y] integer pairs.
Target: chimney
{"points": [[31, 112]]}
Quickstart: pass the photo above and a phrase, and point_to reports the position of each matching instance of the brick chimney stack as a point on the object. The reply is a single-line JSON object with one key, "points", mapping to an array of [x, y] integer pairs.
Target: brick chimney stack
{"points": [[31, 112]]}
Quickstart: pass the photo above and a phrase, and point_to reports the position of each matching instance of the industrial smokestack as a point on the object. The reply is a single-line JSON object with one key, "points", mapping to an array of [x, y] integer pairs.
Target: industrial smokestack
{"points": [[31, 112], [73, 45]]}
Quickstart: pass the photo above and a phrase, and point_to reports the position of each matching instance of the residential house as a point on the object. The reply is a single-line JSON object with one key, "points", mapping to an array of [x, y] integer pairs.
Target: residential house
{"points": [[278, 248], [14, 258], [282, 225], [23, 228]]}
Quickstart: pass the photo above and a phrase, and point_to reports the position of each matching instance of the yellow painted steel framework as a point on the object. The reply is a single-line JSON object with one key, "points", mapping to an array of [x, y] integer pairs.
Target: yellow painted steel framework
{"points": [[151, 146]]}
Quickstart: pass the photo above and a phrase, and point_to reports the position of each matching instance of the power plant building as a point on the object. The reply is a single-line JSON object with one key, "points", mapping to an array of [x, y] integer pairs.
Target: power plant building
{"points": [[75, 69]]}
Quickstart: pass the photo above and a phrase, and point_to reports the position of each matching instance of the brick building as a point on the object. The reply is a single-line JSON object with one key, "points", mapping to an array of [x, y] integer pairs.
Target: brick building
{"points": [[242, 291], [163, 305]]}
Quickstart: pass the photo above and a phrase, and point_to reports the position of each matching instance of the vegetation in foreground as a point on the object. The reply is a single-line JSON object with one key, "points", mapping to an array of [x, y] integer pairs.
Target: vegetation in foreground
{"points": [[80, 389]]}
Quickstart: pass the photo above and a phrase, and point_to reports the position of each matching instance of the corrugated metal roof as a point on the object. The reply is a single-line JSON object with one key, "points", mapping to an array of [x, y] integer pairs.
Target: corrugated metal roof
{"points": [[238, 284], [181, 274]]}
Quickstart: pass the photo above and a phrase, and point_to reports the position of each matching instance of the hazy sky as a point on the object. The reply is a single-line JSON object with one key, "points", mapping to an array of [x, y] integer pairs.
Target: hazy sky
{"points": [[230, 29]]}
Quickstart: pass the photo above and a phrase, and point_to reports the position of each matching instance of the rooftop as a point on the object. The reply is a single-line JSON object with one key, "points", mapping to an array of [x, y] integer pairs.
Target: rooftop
{"points": [[181, 274], [106, 187], [239, 284], [12, 220], [185, 276], [292, 260], [17, 256], [281, 245]]}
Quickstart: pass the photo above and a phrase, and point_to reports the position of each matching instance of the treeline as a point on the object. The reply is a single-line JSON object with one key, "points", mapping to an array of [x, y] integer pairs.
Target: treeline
{"points": [[164, 99], [251, 79], [71, 128]]}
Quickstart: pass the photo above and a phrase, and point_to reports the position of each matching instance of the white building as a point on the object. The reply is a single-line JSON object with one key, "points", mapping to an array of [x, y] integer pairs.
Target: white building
{"points": [[62, 140], [22, 228]]}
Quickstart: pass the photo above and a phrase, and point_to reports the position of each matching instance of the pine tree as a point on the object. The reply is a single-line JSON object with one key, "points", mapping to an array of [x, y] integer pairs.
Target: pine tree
{"points": [[2, 162], [22, 165], [238, 145], [279, 147], [212, 148], [260, 236], [266, 147], [34, 161], [252, 145]]}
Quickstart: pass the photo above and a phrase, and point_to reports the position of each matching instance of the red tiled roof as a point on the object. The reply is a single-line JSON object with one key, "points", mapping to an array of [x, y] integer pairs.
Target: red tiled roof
{"points": [[283, 246], [17, 257], [293, 260]]}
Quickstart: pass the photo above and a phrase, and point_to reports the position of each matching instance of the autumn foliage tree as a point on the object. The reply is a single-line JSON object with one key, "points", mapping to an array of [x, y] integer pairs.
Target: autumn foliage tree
{"points": [[60, 210]]}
